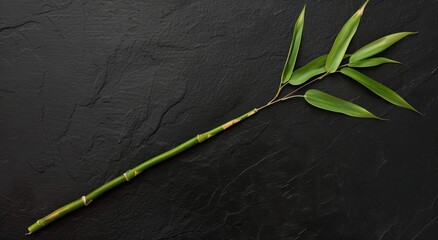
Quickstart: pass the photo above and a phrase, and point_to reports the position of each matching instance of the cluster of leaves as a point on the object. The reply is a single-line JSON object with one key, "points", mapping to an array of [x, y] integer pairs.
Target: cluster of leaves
{"points": [[331, 63]]}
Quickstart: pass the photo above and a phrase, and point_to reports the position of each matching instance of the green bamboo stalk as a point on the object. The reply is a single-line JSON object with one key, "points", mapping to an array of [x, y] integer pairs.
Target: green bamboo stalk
{"points": [[130, 174]]}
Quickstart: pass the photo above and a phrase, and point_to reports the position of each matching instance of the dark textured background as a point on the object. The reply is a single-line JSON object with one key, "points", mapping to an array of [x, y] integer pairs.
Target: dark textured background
{"points": [[89, 89]]}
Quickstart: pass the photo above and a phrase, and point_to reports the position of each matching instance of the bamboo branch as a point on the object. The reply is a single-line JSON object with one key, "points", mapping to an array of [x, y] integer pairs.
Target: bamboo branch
{"points": [[325, 65]]}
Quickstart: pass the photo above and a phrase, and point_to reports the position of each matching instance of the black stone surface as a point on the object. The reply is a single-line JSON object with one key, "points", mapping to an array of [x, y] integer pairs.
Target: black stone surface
{"points": [[89, 89]]}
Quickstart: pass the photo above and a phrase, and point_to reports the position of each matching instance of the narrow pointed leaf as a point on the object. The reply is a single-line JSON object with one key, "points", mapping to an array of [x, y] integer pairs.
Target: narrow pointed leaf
{"points": [[310, 70], [294, 48], [378, 88], [330, 103], [378, 46], [371, 62], [343, 40]]}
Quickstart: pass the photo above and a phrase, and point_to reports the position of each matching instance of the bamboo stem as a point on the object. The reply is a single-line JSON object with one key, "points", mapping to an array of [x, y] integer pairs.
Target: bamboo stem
{"points": [[130, 174]]}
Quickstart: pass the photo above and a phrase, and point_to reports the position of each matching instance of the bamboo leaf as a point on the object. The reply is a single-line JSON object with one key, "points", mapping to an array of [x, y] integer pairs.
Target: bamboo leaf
{"points": [[378, 88], [294, 48], [378, 46], [343, 40], [371, 62], [312, 69], [330, 103]]}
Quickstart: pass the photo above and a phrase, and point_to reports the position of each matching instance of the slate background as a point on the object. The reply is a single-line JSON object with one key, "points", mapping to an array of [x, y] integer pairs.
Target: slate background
{"points": [[89, 89]]}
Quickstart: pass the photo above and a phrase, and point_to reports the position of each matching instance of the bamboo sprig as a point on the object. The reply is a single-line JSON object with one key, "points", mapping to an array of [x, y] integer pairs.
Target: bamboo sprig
{"points": [[301, 78]]}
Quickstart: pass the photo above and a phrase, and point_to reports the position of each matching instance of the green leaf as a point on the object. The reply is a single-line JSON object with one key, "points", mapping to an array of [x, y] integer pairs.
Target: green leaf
{"points": [[294, 47], [312, 69], [378, 88], [343, 40], [378, 46], [330, 103], [371, 62]]}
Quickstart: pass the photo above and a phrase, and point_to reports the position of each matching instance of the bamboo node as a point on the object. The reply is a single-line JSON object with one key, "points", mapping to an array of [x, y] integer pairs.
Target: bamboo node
{"points": [[126, 176], [252, 112], [84, 201], [38, 222], [202, 137]]}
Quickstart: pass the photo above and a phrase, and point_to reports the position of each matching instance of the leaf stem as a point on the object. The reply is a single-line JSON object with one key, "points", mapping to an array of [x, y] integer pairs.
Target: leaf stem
{"points": [[289, 97], [342, 66]]}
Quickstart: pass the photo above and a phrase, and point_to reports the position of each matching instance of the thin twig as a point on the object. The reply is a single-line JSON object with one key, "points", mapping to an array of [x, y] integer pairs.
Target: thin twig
{"points": [[280, 87], [265, 106], [290, 95], [277, 101], [307, 84]]}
